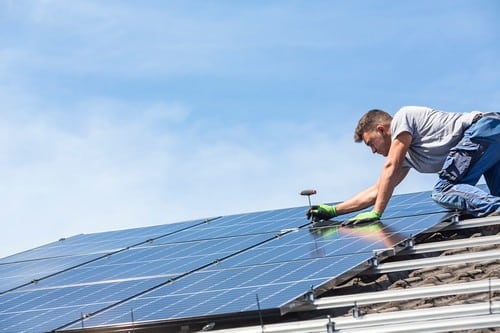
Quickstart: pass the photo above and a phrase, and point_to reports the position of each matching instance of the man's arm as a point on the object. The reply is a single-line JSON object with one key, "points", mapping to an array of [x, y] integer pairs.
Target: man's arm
{"points": [[367, 197], [392, 172], [379, 194], [362, 200]]}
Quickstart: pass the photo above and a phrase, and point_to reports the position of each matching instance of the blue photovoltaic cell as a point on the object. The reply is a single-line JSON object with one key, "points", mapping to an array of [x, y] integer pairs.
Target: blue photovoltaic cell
{"points": [[408, 205], [18, 273], [38, 263], [41, 310], [194, 269], [103, 242], [243, 224], [164, 260], [311, 243], [233, 290]]}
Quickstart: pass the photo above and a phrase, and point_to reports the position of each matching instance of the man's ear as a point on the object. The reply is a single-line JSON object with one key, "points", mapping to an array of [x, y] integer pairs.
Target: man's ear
{"points": [[380, 128]]}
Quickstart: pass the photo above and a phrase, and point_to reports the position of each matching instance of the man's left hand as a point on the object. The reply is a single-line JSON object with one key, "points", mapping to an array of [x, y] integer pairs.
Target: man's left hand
{"points": [[365, 217]]}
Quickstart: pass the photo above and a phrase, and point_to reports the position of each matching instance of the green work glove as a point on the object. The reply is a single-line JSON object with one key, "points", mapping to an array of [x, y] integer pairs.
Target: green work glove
{"points": [[321, 212], [365, 217]]}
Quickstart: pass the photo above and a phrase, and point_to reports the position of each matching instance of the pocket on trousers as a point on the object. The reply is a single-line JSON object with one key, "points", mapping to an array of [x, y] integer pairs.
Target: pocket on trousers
{"points": [[456, 165]]}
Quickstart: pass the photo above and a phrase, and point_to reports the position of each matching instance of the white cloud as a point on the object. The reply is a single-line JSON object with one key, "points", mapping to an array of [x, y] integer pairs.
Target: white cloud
{"points": [[100, 174]]}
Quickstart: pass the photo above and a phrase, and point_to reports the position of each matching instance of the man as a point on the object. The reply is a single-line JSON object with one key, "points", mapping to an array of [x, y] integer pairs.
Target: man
{"points": [[459, 147]]}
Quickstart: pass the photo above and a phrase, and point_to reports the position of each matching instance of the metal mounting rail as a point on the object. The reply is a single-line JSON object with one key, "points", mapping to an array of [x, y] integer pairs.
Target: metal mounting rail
{"points": [[436, 319], [453, 244], [433, 326], [408, 265], [471, 223], [402, 294]]}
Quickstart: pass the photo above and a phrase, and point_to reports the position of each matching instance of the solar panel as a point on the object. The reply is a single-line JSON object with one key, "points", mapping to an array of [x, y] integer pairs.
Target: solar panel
{"points": [[103, 242], [15, 274], [195, 269], [275, 271], [229, 290], [37, 264]]}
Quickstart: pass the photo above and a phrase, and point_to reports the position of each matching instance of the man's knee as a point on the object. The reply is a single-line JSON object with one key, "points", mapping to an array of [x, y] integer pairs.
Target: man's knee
{"points": [[444, 195]]}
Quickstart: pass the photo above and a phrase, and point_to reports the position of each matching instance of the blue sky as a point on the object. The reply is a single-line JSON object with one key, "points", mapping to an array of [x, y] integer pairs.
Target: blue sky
{"points": [[120, 114]]}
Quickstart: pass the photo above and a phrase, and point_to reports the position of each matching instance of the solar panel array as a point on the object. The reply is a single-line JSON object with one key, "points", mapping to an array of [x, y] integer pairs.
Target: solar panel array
{"points": [[193, 269]]}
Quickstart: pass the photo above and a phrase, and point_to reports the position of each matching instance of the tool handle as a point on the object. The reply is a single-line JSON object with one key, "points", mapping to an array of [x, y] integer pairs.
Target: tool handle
{"points": [[308, 192]]}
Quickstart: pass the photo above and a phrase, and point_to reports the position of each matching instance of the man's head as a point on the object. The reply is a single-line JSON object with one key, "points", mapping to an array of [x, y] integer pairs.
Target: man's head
{"points": [[374, 129]]}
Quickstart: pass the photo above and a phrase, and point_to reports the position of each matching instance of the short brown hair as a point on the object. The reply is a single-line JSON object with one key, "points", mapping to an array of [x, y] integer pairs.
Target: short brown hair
{"points": [[370, 121]]}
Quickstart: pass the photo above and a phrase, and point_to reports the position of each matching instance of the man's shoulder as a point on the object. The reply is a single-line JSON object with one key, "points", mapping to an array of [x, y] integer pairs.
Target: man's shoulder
{"points": [[416, 115], [411, 109]]}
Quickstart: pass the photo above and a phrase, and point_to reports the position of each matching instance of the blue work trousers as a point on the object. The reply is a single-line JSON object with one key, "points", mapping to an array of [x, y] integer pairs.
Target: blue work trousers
{"points": [[477, 154]]}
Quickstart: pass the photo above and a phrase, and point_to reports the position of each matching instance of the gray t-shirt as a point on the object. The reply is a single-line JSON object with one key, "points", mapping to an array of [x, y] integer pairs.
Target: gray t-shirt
{"points": [[433, 133]]}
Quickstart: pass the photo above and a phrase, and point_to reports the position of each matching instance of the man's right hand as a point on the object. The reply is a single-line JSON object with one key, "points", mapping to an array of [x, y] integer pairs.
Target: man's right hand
{"points": [[321, 212]]}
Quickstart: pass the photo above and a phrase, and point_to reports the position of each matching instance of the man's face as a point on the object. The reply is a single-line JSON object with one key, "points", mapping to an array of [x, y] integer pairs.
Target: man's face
{"points": [[379, 140]]}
